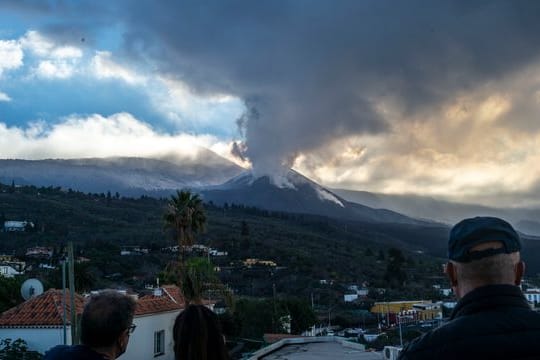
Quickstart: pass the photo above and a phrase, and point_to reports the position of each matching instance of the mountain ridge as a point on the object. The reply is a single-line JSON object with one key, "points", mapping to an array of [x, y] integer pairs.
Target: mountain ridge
{"points": [[130, 176], [220, 180], [299, 194], [423, 207]]}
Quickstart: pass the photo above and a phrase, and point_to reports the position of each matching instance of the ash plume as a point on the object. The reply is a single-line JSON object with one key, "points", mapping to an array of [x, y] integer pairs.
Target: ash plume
{"points": [[314, 71]]}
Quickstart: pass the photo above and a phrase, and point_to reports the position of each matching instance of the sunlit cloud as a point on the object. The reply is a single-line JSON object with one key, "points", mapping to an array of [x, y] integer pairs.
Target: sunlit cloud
{"points": [[54, 61], [4, 97], [98, 136], [171, 101], [104, 67], [185, 108], [11, 55], [44, 47], [54, 69], [468, 147]]}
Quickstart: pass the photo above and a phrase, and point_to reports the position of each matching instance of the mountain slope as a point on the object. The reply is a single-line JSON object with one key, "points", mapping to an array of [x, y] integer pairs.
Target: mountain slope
{"points": [[129, 176], [297, 194], [423, 207]]}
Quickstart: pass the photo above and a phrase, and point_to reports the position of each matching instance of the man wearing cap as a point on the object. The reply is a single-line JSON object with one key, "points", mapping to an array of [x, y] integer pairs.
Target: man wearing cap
{"points": [[492, 319]]}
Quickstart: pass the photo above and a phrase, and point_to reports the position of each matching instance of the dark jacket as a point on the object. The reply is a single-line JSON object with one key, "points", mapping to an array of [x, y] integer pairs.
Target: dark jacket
{"points": [[490, 322], [75, 352]]}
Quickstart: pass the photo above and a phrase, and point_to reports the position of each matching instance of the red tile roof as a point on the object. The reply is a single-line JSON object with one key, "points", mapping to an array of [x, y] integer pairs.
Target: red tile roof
{"points": [[170, 299], [174, 292], [43, 310], [46, 309]]}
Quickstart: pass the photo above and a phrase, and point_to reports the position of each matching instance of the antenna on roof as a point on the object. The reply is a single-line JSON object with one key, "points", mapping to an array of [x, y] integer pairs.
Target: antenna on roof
{"points": [[31, 288]]}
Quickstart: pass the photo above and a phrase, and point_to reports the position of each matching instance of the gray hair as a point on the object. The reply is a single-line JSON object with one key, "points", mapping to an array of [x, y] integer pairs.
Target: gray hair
{"points": [[496, 269]]}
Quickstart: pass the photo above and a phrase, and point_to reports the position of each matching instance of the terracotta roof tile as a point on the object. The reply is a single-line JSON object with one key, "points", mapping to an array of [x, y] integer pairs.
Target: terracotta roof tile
{"points": [[174, 292], [170, 300], [46, 309], [43, 310]]}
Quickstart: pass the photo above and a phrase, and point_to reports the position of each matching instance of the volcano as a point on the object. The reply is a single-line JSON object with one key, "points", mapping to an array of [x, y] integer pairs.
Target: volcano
{"points": [[296, 194]]}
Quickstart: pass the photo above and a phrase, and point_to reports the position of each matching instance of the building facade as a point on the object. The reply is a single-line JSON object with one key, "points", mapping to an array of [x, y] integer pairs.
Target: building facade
{"points": [[39, 322]]}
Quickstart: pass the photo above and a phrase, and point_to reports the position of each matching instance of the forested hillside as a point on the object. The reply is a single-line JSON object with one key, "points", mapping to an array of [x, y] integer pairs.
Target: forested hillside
{"points": [[306, 248]]}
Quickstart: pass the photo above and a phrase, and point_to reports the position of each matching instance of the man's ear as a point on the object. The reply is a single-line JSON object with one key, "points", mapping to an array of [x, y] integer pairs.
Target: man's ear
{"points": [[451, 273], [122, 340], [519, 270]]}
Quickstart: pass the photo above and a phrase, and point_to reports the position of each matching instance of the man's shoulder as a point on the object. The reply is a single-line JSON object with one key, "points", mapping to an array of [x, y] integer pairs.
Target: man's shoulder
{"points": [[73, 352], [484, 330], [426, 343]]}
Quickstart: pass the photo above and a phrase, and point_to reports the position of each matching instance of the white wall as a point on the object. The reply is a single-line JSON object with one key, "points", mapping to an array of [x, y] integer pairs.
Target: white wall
{"points": [[141, 342], [533, 297], [8, 271], [39, 340]]}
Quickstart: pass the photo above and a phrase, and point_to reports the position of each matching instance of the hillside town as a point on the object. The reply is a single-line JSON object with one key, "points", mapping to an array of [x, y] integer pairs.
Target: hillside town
{"points": [[43, 319]]}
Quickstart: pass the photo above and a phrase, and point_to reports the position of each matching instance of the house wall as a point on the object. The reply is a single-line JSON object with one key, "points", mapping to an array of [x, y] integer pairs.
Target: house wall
{"points": [[533, 297], [8, 271], [141, 342], [40, 339], [15, 225]]}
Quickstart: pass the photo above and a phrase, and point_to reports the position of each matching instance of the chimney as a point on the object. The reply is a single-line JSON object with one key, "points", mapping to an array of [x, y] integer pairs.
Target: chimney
{"points": [[158, 291]]}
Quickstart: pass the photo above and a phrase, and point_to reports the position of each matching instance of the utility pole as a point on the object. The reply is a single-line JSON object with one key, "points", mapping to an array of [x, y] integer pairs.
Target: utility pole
{"points": [[64, 297], [71, 262], [400, 334], [275, 310]]}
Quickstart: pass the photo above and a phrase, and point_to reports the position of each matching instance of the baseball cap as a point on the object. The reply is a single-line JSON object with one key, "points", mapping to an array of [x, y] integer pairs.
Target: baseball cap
{"points": [[471, 232]]}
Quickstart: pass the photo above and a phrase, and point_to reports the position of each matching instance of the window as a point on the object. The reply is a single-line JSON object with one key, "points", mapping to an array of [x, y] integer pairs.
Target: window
{"points": [[159, 343]]}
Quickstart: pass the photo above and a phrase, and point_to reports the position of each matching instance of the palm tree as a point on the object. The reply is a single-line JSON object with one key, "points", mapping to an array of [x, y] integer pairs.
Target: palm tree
{"points": [[186, 217], [196, 277], [199, 280]]}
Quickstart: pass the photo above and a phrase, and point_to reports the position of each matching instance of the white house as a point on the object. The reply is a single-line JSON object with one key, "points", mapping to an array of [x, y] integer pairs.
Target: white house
{"points": [[17, 225], [39, 252], [360, 291], [154, 317], [445, 291], [532, 295], [38, 321], [8, 271]]}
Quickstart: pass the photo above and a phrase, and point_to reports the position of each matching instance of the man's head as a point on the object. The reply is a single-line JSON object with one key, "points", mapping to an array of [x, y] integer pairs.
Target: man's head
{"points": [[483, 251], [106, 321]]}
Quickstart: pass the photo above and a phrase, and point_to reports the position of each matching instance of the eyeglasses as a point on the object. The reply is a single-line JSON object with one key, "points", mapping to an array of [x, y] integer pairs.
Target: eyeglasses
{"points": [[131, 328]]}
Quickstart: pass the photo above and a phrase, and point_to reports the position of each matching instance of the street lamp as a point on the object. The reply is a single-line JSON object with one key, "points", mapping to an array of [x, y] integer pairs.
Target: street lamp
{"points": [[400, 334], [400, 317]]}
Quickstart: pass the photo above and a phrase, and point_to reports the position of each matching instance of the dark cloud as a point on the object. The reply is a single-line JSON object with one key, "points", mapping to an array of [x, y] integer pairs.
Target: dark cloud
{"points": [[311, 71]]}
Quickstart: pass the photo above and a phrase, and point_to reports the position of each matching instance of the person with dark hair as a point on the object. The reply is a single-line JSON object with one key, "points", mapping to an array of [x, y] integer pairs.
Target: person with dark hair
{"points": [[197, 335], [492, 319], [106, 324]]}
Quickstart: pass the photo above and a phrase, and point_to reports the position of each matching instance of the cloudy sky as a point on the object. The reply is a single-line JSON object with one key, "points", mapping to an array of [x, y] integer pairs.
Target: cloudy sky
{"points": [[439, 98]]}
